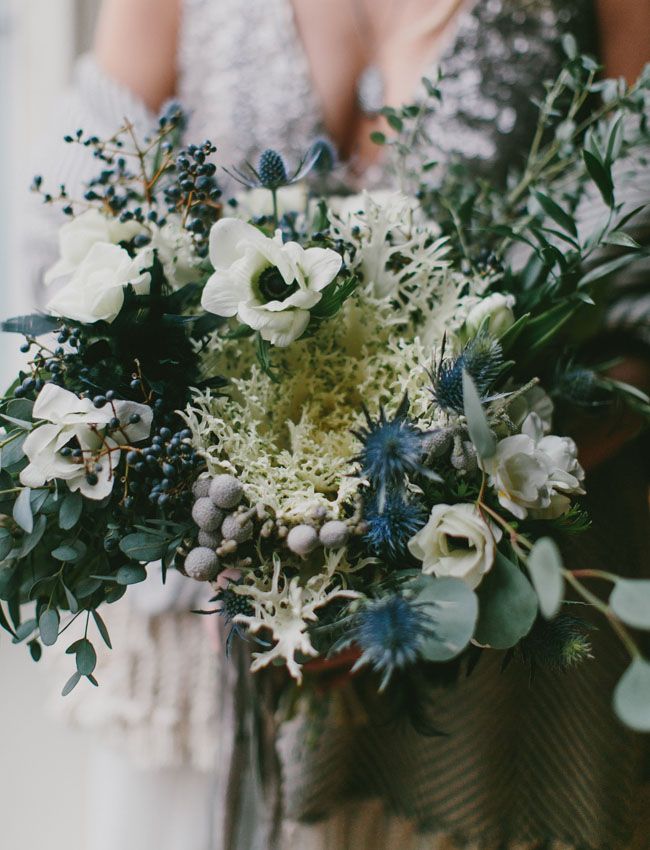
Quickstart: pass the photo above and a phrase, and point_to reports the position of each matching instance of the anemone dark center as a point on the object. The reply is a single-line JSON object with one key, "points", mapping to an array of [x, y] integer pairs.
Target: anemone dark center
{"points": [[273, 286]]}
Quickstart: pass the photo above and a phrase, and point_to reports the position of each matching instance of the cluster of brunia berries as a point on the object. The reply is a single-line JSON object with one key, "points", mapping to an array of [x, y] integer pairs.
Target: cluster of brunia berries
{"points": [[162, 470], [194, 192]]}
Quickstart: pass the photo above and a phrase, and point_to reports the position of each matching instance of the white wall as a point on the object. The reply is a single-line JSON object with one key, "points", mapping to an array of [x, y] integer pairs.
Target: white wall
{"points": [[43, 801]]}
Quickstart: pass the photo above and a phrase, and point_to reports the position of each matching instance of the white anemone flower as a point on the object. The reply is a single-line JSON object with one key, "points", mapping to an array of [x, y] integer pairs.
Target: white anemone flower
{"points": [[95, 292], [69, 418], [268, 285], [78, 236], [456, 542], [535, 474]]}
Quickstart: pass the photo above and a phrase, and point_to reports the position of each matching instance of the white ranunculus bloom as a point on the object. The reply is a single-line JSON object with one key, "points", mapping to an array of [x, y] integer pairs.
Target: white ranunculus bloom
{"points": [[268, 285], [456, 542], [175, 247], [73, 420], [95, 292], [535, 474], [497, 309], [78, 236]]}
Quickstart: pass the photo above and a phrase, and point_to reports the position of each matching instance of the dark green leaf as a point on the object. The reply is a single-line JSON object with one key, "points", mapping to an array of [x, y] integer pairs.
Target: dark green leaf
{"points": [[378, 138], [143, 547], [396, 123], [480, 434], [31, 541], [101, 628], [545, 568], [25, 630], [35, 650], [48, 625], [131, 575], [507, 605], [70, 511], [33, 325], [630, 601], [632, 696], [65, 554], [73, 605], [622, 239], [6, 543], [605, 269], [601, 175], [555, 211], [12, 453], [86, 657]]}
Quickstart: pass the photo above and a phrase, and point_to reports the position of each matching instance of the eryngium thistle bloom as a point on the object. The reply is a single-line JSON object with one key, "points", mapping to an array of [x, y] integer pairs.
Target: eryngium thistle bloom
{"points": [[561, 643], [481, 359], [391, 525], [271, 172], [389, 632], [231, 605], [392, 450]]}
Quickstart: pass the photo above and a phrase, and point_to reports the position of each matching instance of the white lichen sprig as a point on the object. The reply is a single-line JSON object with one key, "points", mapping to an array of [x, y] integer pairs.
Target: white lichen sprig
{"points": [[286, 608]]}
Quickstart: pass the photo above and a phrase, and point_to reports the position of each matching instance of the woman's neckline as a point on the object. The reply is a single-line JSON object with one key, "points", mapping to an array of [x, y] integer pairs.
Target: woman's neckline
{"points": [[447, 46]]}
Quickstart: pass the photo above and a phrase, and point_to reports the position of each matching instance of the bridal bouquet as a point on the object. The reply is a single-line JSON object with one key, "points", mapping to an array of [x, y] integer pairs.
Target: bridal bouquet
{"points": [[338, 409]]}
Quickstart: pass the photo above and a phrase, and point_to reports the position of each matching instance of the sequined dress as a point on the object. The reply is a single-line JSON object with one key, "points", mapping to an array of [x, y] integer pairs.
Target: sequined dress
{"points": [[545, 766]]}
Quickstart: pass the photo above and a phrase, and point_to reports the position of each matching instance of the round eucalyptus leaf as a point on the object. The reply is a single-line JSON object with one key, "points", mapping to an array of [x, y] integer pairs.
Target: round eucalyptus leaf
{"points": [[143, 546], [70, 511], [632, 696], [545, 568], [507, 606], [630, 601], [65, 553], [86, 657], [453, 608], [131, 574], [48, 625]]}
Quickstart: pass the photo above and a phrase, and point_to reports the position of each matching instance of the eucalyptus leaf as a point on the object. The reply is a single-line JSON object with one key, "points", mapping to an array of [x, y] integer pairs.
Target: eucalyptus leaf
{"points": [[131, 575], [507, 605], [480, 434], [453, 608], [71, 684], [23, 510], [25, 630], [6, 543], [31, 541], [70, 511], [101, 628], [143, 547], [48, 625], [86, 657], [632, 696], [624, 240], [12, 452], [35, 650], [630, 601], [65, 553], [545, 568]]}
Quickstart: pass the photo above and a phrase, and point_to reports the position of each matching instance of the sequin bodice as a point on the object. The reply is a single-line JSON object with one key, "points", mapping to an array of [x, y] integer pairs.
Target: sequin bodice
{"points": [[246, 79]]}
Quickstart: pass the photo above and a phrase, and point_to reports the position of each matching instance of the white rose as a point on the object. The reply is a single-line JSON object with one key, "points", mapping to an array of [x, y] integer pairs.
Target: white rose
{"points": [[259, 202], [78, 236], [175, 247], [456, 542], [95, 292], [268, 285], [535, 474], [75, 422], [497, 308]]}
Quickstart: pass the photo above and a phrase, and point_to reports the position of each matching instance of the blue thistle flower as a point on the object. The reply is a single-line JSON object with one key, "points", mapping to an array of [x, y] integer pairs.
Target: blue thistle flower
{"points": [[391, 525], [271, 171], [326, 156], [232, 604], [390, 632], [392, 450], [482, 358]]}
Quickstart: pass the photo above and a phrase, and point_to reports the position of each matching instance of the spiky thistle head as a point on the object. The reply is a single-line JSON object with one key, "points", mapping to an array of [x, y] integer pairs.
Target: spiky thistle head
{"points": [[578, 386], [390, 526], [231, 604], [392, 449], [390, 632], [561, 643], [271, 169], [481, 358]]}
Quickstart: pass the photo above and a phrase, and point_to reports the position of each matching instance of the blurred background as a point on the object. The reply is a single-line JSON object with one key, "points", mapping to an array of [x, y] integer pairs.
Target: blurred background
{"points": [[43, 797]]}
